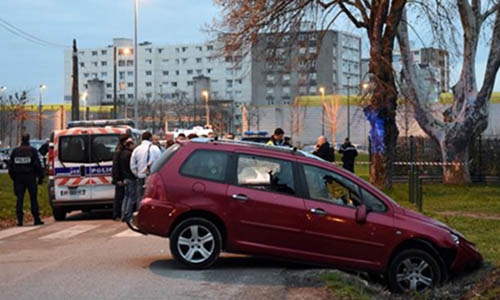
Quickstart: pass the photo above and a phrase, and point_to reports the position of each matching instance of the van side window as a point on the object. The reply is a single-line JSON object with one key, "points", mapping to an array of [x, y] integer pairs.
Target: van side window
{"points": [[103, 147], [211, 165], [265, 173]]}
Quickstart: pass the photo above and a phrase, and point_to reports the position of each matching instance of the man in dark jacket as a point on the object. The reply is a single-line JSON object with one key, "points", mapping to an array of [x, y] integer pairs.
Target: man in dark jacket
{"points": [[349, 154], [323, 149], [278, 138], [117, 178], [130, 181], [24, 168]]}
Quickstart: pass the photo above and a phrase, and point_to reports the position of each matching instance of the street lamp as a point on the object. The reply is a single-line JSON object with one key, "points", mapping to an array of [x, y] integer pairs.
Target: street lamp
{"points": [[322, 91], [136, 62], [85, 108], [348, 108], [204, 93], [41, 88], [123, 51]]}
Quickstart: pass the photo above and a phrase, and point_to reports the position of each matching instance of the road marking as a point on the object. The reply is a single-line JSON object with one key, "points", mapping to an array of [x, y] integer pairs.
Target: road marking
{"points": [[15, 230], [68, 233], [127, 233]]}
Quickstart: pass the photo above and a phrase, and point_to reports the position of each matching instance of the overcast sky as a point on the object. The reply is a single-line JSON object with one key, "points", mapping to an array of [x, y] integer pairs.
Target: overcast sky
{"points": [[25, 65]]}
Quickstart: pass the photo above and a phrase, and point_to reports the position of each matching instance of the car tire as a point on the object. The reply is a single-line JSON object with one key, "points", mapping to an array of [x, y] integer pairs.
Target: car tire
{"points": [[196, 243], [413, 270], [59, 213]]}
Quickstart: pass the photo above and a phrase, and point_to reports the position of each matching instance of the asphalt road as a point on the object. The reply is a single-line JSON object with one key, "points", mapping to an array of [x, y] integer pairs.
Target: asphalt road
{"points": [[92, 257]]}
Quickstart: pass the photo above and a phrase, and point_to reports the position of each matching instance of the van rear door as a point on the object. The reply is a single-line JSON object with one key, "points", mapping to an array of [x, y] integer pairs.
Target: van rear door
{"points": [[102, 148], [71, 181]]}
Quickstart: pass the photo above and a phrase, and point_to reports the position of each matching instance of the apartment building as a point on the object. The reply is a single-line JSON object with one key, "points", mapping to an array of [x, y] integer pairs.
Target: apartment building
{"points": [[164, 72], [285, 66]]}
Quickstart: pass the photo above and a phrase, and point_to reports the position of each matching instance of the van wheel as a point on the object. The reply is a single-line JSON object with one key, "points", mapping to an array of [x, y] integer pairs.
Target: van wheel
{"points": [[59, 213], [196, 243], [413, 270]]}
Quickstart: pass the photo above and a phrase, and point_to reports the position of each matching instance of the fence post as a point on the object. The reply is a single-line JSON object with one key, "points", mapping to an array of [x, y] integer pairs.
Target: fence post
{"points": [[420, 197], [411, 172]]}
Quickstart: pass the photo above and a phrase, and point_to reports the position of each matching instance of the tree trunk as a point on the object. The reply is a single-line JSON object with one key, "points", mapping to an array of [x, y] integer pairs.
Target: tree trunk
{"points": [[456, 161]]}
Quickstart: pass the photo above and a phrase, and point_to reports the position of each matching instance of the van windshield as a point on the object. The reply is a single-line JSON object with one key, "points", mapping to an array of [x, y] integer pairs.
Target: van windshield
{"points": [[87, 148]]}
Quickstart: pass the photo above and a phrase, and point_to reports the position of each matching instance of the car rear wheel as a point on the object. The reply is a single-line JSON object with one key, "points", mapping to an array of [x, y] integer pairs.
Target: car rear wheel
{"points": [[196, 243], [413, 270], [59, 213]]}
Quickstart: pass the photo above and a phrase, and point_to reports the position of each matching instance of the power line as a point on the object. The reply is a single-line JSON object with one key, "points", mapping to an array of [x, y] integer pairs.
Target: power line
{"points": [[28, 37]]}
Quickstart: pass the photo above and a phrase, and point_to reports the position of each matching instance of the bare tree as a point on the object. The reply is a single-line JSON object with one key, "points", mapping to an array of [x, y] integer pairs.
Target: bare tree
{"points": [[331, 107], [18, 113], [297, 116], [243, 21], [5, 119], [468, 115], [182, 107]]}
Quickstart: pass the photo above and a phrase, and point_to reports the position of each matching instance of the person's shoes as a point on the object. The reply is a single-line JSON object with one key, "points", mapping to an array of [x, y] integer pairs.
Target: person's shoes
{"points": [[39, 222], [19, 223]]}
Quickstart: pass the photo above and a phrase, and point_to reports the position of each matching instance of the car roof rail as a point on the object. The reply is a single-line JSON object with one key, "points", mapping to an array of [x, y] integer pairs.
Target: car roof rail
{"points": [[286, 149], [101, 123]]}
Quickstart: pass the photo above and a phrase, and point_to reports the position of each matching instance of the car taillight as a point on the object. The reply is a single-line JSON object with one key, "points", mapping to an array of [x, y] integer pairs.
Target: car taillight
{"points": [[50, 164], [153, 186]]}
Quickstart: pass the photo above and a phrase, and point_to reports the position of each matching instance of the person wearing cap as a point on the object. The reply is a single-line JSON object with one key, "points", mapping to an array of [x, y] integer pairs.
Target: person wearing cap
{"points": [[117, 177], [278, 138]]}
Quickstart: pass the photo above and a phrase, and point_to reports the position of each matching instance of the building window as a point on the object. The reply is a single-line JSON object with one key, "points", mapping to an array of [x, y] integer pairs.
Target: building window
{"points": [[85, 75], [121, 75], [184, 60], [286, 90], [130, 96], [122, 97], [229, 83], [94, 63], [164, 83], [270, 77], [199, 48], [286, 77], [104, 63], [148, 95], [130, 63], [109, 85], [210, 47], [149, 61], [303, 90], [229, 72], [177, 61], [109, 96], [130, 73], [165, 73], [198, 60], [184, 49], [130, 84], [177, 50], [160, 50], [149, 73], [164, 62], [94, 53], [189, 83], [177, 72], [174, 83], [81, 53], [190, 72], [85, 86], [104, 52], [104, 74], [148, 50], [270, 91], [199, 71], [82, 64], [149, 84], [312, 50], [313, 89], [209, 71]]}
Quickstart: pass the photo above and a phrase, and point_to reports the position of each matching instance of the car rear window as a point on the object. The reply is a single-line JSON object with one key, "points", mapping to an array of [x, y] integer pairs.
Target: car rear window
{"points": [[87, 148], [164, 158]]}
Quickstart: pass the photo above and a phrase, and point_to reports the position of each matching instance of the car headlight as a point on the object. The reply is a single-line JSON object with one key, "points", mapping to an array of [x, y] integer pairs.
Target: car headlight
{"points": [[455, 238]]}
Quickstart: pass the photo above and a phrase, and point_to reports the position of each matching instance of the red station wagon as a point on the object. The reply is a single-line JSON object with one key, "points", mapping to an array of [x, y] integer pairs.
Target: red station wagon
{"points": [[210, 196]]}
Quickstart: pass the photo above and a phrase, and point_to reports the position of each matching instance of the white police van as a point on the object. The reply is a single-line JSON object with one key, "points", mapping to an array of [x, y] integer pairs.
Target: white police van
{"points": [[80, 164]]}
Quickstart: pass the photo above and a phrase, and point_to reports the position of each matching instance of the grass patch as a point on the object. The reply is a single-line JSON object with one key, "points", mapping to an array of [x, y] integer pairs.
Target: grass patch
{"points": [[346, 289], [8, 200]]}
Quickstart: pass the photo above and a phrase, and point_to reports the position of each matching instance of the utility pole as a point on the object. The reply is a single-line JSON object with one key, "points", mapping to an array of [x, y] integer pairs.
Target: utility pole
{"points": [[114, 84], [75, 96]]}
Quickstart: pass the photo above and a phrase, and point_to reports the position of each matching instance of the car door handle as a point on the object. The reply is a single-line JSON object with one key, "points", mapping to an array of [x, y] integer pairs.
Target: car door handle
{"points": [[318, 211], [240, 197]]}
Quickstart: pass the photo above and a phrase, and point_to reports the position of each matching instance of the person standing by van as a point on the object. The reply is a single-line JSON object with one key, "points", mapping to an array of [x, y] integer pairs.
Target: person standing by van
{"points": [[141, 160], [130, 181], [24, 168], [117, 174]]}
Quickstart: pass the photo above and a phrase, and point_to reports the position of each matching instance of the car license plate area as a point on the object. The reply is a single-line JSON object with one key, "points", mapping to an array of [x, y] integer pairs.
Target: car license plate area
{"points": [[73, 192]]}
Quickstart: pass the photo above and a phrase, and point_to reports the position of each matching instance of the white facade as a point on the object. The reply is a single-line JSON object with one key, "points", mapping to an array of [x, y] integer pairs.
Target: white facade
{"points": [[163, 71]]}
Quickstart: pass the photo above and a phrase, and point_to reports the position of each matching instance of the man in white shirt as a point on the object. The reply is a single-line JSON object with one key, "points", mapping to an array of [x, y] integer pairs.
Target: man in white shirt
{"points": [[142, 157]]}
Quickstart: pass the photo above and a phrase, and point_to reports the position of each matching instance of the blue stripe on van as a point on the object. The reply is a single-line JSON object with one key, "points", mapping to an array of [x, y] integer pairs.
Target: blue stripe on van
{"points": [[89, 171]]}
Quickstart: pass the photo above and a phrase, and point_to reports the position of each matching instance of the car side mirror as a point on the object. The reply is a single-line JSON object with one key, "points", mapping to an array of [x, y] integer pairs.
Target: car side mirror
{"points": [[361, 213]]}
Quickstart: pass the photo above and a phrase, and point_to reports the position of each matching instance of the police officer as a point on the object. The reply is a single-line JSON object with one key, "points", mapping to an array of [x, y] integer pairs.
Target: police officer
{"points": [[24, 168], [349, 153]]}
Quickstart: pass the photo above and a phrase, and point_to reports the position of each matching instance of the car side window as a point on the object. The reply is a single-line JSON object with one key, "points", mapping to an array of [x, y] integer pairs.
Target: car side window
{"points": [[211, 165], [372, 202], [327, 186], [265, 173]]}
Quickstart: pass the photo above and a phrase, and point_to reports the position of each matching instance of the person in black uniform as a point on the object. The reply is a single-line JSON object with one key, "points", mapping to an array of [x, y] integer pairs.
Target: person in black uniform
{"points": [[24, 168], [118, 180], [349, 153]]}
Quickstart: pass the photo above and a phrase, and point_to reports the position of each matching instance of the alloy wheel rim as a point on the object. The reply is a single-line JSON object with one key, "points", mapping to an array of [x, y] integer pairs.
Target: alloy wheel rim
{"points": [[196, 244], [414, 274]]}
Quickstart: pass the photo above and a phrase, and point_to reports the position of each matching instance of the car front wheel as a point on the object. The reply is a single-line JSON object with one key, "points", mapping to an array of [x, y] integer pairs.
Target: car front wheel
{"points": [[196, 243], [413, 270]]}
